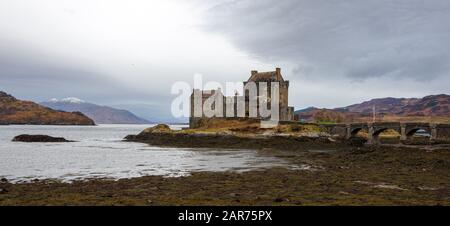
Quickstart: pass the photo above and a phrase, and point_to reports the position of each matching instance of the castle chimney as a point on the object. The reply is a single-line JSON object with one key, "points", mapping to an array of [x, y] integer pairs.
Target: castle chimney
{"points": [[278, 73]]}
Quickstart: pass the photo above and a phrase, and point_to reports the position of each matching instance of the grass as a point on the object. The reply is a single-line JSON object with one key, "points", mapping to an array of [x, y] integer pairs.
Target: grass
{"points": [[250, 127]]}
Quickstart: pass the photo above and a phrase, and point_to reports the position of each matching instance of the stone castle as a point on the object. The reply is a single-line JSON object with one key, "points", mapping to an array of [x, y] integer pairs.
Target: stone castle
{"points": [[286, 112]]}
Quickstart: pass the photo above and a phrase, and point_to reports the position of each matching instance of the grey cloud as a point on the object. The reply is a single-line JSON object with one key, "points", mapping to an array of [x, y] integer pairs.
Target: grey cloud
{"points": [[19, 61], [125, 63], [26, 71], [30, 74], [353, 39]]}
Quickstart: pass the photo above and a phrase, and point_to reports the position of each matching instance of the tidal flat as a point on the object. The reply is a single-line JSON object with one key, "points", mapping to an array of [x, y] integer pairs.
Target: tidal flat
{"points": [[380, 175]]}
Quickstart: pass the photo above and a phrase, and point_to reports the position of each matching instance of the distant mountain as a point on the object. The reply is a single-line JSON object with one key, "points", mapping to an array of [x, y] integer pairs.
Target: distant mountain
{"points": [[434, 105], [309, 109], [14, 111], [100, 114]]}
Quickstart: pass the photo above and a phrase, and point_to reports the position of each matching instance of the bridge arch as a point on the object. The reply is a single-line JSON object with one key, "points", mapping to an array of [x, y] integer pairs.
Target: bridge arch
{"points": [[389, 135], [377, 132], [354, 131], [410, 132]]}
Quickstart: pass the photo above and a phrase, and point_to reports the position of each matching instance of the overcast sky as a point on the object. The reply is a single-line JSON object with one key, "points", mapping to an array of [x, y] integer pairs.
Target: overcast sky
{"points": [[128, 53]]}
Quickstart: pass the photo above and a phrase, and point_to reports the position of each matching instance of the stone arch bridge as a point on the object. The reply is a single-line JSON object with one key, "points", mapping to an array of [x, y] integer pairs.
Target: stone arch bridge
{"points": [[406, 130]]}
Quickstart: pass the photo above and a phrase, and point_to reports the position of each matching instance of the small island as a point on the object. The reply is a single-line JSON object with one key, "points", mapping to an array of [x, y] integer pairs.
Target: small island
{"points": [[39, 138], [239, 134]]}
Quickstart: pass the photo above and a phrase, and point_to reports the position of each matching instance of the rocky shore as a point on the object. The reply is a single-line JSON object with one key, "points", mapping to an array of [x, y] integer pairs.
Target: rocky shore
{"points": [[162, 135], [323, 171], [232, 141], [382, 176]]}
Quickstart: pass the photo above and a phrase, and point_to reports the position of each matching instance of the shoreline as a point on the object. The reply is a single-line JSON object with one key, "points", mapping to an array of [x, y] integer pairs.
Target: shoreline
{"points": [[351, 174], [344, 177], [233, 141]]}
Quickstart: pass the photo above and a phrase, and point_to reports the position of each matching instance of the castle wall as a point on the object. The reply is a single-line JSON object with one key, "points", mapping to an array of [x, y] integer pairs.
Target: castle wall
{"points": [[286, 112], [290, 114], [284, 100]]}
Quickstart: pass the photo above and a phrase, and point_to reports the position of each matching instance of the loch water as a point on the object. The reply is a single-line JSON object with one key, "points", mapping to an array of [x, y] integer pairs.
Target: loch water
{"points": [[99, 152]]}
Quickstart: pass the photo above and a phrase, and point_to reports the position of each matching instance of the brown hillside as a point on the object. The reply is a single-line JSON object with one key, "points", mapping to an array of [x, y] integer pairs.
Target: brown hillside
{"points": [[434, 108], [14, 111]]}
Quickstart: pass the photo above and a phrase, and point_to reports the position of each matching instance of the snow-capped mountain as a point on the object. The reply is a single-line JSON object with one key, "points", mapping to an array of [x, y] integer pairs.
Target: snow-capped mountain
{"points": [[67, 100], [100, 114], [15, 111]]}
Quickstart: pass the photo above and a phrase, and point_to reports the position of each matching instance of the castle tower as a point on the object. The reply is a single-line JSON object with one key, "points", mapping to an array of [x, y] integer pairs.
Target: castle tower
{"points": [[286, 112]]}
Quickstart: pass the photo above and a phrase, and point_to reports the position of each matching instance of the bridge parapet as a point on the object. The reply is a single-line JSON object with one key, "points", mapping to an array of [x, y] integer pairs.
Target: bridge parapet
{"points": [[406, 130], [336, 129]]}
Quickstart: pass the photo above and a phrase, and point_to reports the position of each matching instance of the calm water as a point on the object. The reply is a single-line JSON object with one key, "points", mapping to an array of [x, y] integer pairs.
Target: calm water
{"points": [[100, 153]]}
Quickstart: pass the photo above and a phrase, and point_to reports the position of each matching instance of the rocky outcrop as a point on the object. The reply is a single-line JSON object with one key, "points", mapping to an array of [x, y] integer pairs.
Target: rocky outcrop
{"points": [[197, 140], [14, 111], [162, 135], [38, 138], [160, 128]]}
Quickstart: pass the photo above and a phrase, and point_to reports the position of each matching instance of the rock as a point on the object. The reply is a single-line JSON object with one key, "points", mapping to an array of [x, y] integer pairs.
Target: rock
{"points": [[3, 191], [356, 141], [280, 199], [130, 137], [4, 180], [324, 140], [38, 138], [389, 186], [425, 188], [304, 139], [160, 128]]}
